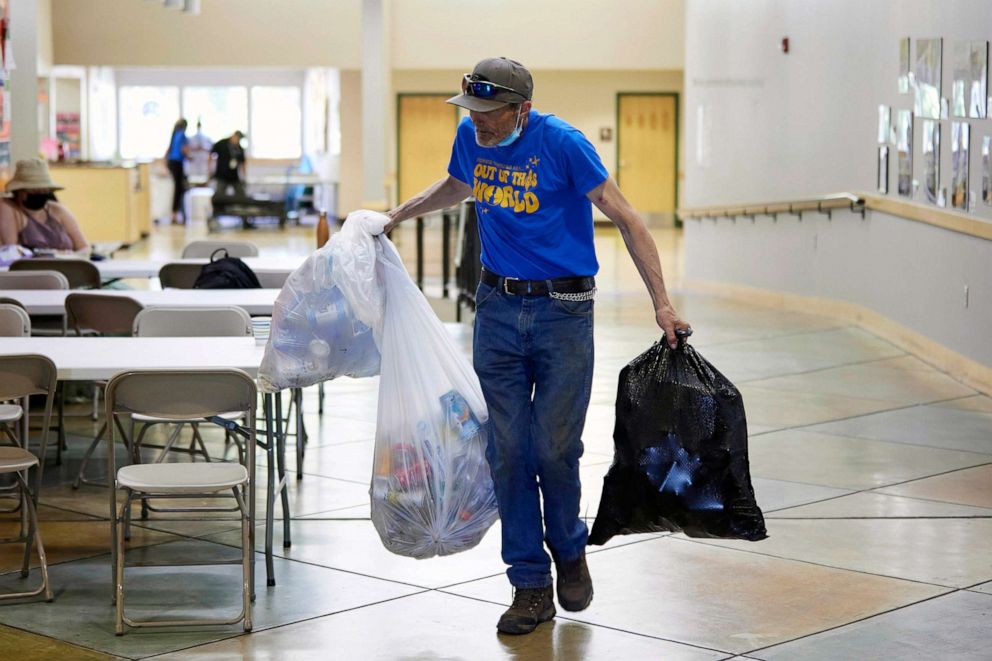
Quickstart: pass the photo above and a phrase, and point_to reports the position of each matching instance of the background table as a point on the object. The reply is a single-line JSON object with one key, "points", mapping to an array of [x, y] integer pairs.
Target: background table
{"points": [[256, 302]]}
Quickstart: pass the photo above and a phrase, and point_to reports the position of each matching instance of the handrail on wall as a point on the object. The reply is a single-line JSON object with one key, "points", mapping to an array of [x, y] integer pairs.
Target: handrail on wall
{"points": [[823, 204], [948, 219]]}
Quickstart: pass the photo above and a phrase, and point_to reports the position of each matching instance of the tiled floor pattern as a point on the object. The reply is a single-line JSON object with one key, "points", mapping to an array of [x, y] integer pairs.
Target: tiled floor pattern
{"points": [[873, 469]]}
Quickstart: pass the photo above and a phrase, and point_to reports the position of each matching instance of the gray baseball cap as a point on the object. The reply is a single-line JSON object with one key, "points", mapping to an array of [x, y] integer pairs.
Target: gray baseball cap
{"points": [[511, 82]]}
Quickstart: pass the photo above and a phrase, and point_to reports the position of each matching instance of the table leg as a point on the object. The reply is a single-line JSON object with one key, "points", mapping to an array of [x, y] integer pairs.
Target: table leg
{"points": [[270, 494], [301, 435], [281, 464]]}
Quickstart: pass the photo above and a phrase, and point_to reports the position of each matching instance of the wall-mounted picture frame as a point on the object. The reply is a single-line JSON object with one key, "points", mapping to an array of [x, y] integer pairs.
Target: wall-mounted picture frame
{"points": [[926, 78], [987, 170], [902, 82], [931, 161], [883, 169], [960, 139], [904, 153], [884, 124], [969, 85]]}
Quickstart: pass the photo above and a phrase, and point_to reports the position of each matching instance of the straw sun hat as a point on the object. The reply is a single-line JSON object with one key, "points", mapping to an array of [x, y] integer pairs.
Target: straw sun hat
{"points": [[32, 174]]}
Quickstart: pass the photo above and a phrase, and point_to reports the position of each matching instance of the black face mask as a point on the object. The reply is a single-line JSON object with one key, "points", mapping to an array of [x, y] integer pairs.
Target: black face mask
{"points": [[35, 201]]}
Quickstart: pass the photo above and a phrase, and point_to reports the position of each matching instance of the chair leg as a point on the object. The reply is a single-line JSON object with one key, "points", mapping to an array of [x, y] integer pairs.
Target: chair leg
{"points": [[43, 560], [32, 538], [119, 574], [80, 478], [246, 553], [168, 444], [199, 441], [61, 433]]}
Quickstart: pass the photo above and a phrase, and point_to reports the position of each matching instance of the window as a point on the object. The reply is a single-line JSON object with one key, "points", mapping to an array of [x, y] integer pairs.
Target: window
{"points": [[147, 116], [276, 122], [221, 110]]}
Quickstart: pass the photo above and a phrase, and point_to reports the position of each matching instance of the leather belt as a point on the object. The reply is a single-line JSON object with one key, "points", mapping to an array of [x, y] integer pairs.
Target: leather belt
{"points": [[517, 287]]}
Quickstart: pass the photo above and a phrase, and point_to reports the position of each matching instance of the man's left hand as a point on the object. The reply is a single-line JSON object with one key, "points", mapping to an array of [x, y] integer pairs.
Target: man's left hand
{"points": [[670, 322]]}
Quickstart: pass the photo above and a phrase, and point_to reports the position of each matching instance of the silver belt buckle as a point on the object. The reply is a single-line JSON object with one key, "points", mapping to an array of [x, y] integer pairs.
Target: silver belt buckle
{"points": [[506, 288]]}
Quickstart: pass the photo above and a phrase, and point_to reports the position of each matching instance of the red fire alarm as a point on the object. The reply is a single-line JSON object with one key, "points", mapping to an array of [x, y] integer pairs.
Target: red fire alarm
{"points": [[785, 44]]}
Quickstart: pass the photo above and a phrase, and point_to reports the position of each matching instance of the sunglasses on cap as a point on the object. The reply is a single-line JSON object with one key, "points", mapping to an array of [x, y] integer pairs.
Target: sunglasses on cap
{"points": [[485, 89]]}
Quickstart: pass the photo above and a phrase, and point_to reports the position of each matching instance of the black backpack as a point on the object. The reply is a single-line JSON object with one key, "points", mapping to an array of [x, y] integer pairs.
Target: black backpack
{"points": [[226, 273]]}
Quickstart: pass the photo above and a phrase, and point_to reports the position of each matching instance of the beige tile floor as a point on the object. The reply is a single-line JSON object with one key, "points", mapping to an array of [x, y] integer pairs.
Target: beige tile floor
{"points": [[873, 470]]}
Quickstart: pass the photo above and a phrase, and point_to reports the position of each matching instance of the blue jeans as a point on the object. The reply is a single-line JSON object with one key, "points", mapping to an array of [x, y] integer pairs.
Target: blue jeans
{"points": [[534, 358]]}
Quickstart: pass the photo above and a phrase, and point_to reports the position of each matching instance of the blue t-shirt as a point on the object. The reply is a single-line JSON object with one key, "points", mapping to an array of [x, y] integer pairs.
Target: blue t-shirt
{"points": [[179, 140], [535, 221]]}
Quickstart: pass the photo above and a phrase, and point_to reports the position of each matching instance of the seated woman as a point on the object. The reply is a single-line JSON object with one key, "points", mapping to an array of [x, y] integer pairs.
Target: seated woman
{"points": [[31, 217]]}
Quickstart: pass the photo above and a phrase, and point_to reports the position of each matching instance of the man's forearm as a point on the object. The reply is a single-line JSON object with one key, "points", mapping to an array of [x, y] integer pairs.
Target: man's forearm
{"points": [[644, 253], [441, 194], [636, 237]]}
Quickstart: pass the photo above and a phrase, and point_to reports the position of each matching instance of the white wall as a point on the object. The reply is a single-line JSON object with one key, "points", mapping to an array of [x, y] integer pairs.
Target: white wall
{"points": [[782, 126], [46, 50], [226, 33], [424, 34], [910, 272], [779, 127], [547, 34]]}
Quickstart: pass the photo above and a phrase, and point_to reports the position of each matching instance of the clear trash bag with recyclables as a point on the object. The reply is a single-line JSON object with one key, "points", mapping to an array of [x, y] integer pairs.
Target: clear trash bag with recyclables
{"points": [[323, 319], [431, 492]]}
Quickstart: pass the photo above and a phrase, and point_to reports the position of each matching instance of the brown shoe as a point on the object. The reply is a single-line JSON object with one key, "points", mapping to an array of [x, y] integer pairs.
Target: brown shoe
{"points": [[530, 607], [574, 584]]}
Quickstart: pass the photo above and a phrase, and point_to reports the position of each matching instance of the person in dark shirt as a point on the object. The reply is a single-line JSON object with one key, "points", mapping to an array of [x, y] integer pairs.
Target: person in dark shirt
{"points": [[228, 159]]}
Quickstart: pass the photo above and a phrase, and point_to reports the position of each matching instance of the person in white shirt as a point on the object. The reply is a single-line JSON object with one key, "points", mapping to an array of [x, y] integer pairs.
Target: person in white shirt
{"points": [[198, 163]]}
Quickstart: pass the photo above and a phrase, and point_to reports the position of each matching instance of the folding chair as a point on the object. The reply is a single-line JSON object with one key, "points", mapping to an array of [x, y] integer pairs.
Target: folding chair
{"points": [[183, 395], [179, 275], [21, 376], [205, 248], [14, 321], [41, 325], [80, 273], [102, 314], [47, 279], [220, 321]]}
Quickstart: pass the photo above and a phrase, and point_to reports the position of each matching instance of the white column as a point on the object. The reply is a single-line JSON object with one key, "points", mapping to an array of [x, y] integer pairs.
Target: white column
{"points": [[24, 81], [376, 103]]}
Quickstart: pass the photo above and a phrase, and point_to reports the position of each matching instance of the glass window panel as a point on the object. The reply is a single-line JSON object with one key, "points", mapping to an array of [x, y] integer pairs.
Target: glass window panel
{"points": [[147, 116], [221, 110], [276, 122]]}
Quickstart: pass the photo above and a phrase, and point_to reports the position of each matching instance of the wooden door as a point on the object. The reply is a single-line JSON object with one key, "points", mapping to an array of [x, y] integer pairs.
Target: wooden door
{"points": [[647, 151], [426, 129]]}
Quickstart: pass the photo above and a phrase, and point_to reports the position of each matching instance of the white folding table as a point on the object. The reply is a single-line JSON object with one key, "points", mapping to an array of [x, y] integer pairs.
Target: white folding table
{"points": [[111, 269], [99, 358], [256, 302]]}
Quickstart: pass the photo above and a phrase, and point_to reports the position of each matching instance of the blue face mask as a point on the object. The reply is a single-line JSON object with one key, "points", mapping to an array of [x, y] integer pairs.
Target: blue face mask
{"points": [[515, 133]]}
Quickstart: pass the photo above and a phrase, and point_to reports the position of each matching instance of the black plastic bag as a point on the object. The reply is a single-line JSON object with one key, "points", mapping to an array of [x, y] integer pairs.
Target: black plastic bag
{"points": [[680, 458]]}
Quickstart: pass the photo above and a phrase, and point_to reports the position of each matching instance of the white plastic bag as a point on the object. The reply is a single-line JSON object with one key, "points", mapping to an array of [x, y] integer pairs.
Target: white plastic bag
{"points": [[323, 318], [432, 492]]}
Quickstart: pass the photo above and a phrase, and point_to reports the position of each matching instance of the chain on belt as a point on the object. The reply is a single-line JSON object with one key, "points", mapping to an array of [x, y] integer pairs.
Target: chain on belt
{"points": [[580, 296]]}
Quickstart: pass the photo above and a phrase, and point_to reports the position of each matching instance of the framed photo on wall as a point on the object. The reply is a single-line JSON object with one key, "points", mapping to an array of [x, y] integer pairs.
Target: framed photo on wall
{"points": [[931, 161], [904, 153], [960, 136], [987, 170], [883, 169], [926, 73], [902, 82], [884, 124], [969, 87]]}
